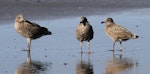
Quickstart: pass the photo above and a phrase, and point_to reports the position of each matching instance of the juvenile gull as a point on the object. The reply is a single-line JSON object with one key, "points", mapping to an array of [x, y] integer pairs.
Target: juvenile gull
{"points": [[29, 30], [117, 33], [84, 32]]}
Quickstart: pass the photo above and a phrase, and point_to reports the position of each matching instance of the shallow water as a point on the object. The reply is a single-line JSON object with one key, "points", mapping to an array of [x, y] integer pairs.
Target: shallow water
{"points": [[60, 53]]}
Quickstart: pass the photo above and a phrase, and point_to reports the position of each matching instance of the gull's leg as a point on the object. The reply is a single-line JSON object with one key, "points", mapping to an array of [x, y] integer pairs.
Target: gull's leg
{"points": [[29, 57], [120, 54], [113, 46], [29, 43], [88, 46], [113, 55], [120, 46], [81, 46]]}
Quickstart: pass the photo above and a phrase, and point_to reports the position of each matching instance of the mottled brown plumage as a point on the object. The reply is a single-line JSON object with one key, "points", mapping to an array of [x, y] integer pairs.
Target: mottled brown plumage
{"points": [[117, 33], [84, 32], [29, 29]]}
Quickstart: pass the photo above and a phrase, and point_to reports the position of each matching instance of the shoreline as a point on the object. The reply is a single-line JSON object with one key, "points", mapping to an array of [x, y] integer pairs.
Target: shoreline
{"points": [[55, 9]]}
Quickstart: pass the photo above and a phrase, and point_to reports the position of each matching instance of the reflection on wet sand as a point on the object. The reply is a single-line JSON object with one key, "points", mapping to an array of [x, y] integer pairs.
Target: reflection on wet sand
{"points": [[84, 67], [117, 65], [32, 67]]}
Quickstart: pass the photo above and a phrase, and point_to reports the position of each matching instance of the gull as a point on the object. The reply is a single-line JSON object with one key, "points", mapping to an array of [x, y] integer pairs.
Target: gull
{"points": [[84, 32], [29, 30], [117, 32]]}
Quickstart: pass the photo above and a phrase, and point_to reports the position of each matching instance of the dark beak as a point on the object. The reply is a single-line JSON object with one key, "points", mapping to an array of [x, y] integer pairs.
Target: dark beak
{"points": [[102, 22]]}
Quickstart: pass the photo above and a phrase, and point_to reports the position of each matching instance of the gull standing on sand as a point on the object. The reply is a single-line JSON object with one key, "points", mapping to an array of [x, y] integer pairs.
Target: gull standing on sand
{"points": [[29, 30], [84, 32], [117, 33]]}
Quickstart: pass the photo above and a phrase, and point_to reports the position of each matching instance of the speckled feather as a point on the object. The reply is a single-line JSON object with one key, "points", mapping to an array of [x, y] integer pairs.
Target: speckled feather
{"points": [[84, 32], [29, 29], [117, 32]]}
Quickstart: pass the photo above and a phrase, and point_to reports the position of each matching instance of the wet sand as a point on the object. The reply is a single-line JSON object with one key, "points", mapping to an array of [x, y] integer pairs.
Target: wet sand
{"points": [[60, 53], [55, 9]]}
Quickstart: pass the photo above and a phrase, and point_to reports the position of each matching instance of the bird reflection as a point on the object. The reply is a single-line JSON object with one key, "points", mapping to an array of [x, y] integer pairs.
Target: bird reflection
{"points": [[120, 64], [84, 67], [32, 67]]}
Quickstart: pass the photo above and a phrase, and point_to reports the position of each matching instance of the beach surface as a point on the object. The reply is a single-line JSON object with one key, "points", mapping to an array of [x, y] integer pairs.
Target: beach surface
{"points": [[55, 9], [60, 52]]}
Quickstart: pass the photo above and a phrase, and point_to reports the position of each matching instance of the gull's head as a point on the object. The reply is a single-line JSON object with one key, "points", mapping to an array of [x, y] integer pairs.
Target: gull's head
{"points": [[19, 18], [83, 20], [109, 20]]}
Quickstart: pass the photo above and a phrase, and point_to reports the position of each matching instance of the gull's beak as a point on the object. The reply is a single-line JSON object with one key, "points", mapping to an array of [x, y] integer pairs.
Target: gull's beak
{"points": [[102, 22]]}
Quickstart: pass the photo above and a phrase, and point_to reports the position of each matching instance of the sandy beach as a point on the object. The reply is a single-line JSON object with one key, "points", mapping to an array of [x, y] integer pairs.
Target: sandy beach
{"points": [[60, 52], [54, 9]]}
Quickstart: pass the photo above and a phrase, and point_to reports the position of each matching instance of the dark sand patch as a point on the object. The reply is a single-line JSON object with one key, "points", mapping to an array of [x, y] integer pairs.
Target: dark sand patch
{"points": [[54, 9]]}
